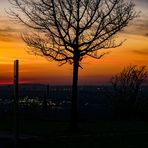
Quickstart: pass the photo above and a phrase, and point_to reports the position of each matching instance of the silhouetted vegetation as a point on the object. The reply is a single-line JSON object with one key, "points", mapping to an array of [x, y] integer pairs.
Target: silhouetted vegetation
{"points": [[69, 30], [127, 91]]}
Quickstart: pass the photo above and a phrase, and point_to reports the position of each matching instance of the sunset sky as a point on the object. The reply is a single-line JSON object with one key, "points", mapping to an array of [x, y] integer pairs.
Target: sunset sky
{"points": [[35, 69]]}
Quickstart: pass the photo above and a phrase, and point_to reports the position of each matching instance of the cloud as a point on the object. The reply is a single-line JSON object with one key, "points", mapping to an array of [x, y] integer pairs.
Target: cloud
{"points": [[141, 2], [141, 26], [141, 52], [8, 30], [146, 34], [6, 36], [138, 27]]}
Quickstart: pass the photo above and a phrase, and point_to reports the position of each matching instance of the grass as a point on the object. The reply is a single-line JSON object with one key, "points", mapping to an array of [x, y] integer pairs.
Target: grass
{"points": [[100, 134]]}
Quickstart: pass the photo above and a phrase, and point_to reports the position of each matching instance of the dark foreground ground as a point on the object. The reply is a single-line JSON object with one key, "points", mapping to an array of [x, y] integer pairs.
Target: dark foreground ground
{"points": [[43, 133]]}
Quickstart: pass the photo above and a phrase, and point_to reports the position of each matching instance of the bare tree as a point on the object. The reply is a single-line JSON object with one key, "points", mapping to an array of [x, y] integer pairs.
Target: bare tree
{"points": [[127, 88], [128, 82], [68, 30]]}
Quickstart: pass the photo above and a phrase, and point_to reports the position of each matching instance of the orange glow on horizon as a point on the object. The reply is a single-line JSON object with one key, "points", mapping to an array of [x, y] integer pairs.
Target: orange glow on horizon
{"points": [[34, 69]]}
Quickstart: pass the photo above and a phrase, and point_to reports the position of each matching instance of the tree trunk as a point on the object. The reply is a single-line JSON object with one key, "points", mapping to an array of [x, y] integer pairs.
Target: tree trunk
{"points": [[74, 101]]}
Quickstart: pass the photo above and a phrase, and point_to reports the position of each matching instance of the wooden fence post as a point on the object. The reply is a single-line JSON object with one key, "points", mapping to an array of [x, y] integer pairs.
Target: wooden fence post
{"points": [[16, 101]]}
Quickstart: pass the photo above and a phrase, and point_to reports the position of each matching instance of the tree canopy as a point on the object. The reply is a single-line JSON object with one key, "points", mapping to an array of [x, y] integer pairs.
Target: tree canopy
{"points": [[64, 27]]}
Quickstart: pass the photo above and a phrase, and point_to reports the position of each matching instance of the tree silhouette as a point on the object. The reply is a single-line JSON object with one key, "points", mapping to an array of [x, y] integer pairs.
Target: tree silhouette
{"points": [[127, 87], [68, 30]]}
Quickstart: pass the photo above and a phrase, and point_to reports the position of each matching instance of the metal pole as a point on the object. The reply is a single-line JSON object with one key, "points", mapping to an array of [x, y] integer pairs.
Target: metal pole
{"points": [[16, 101]]}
